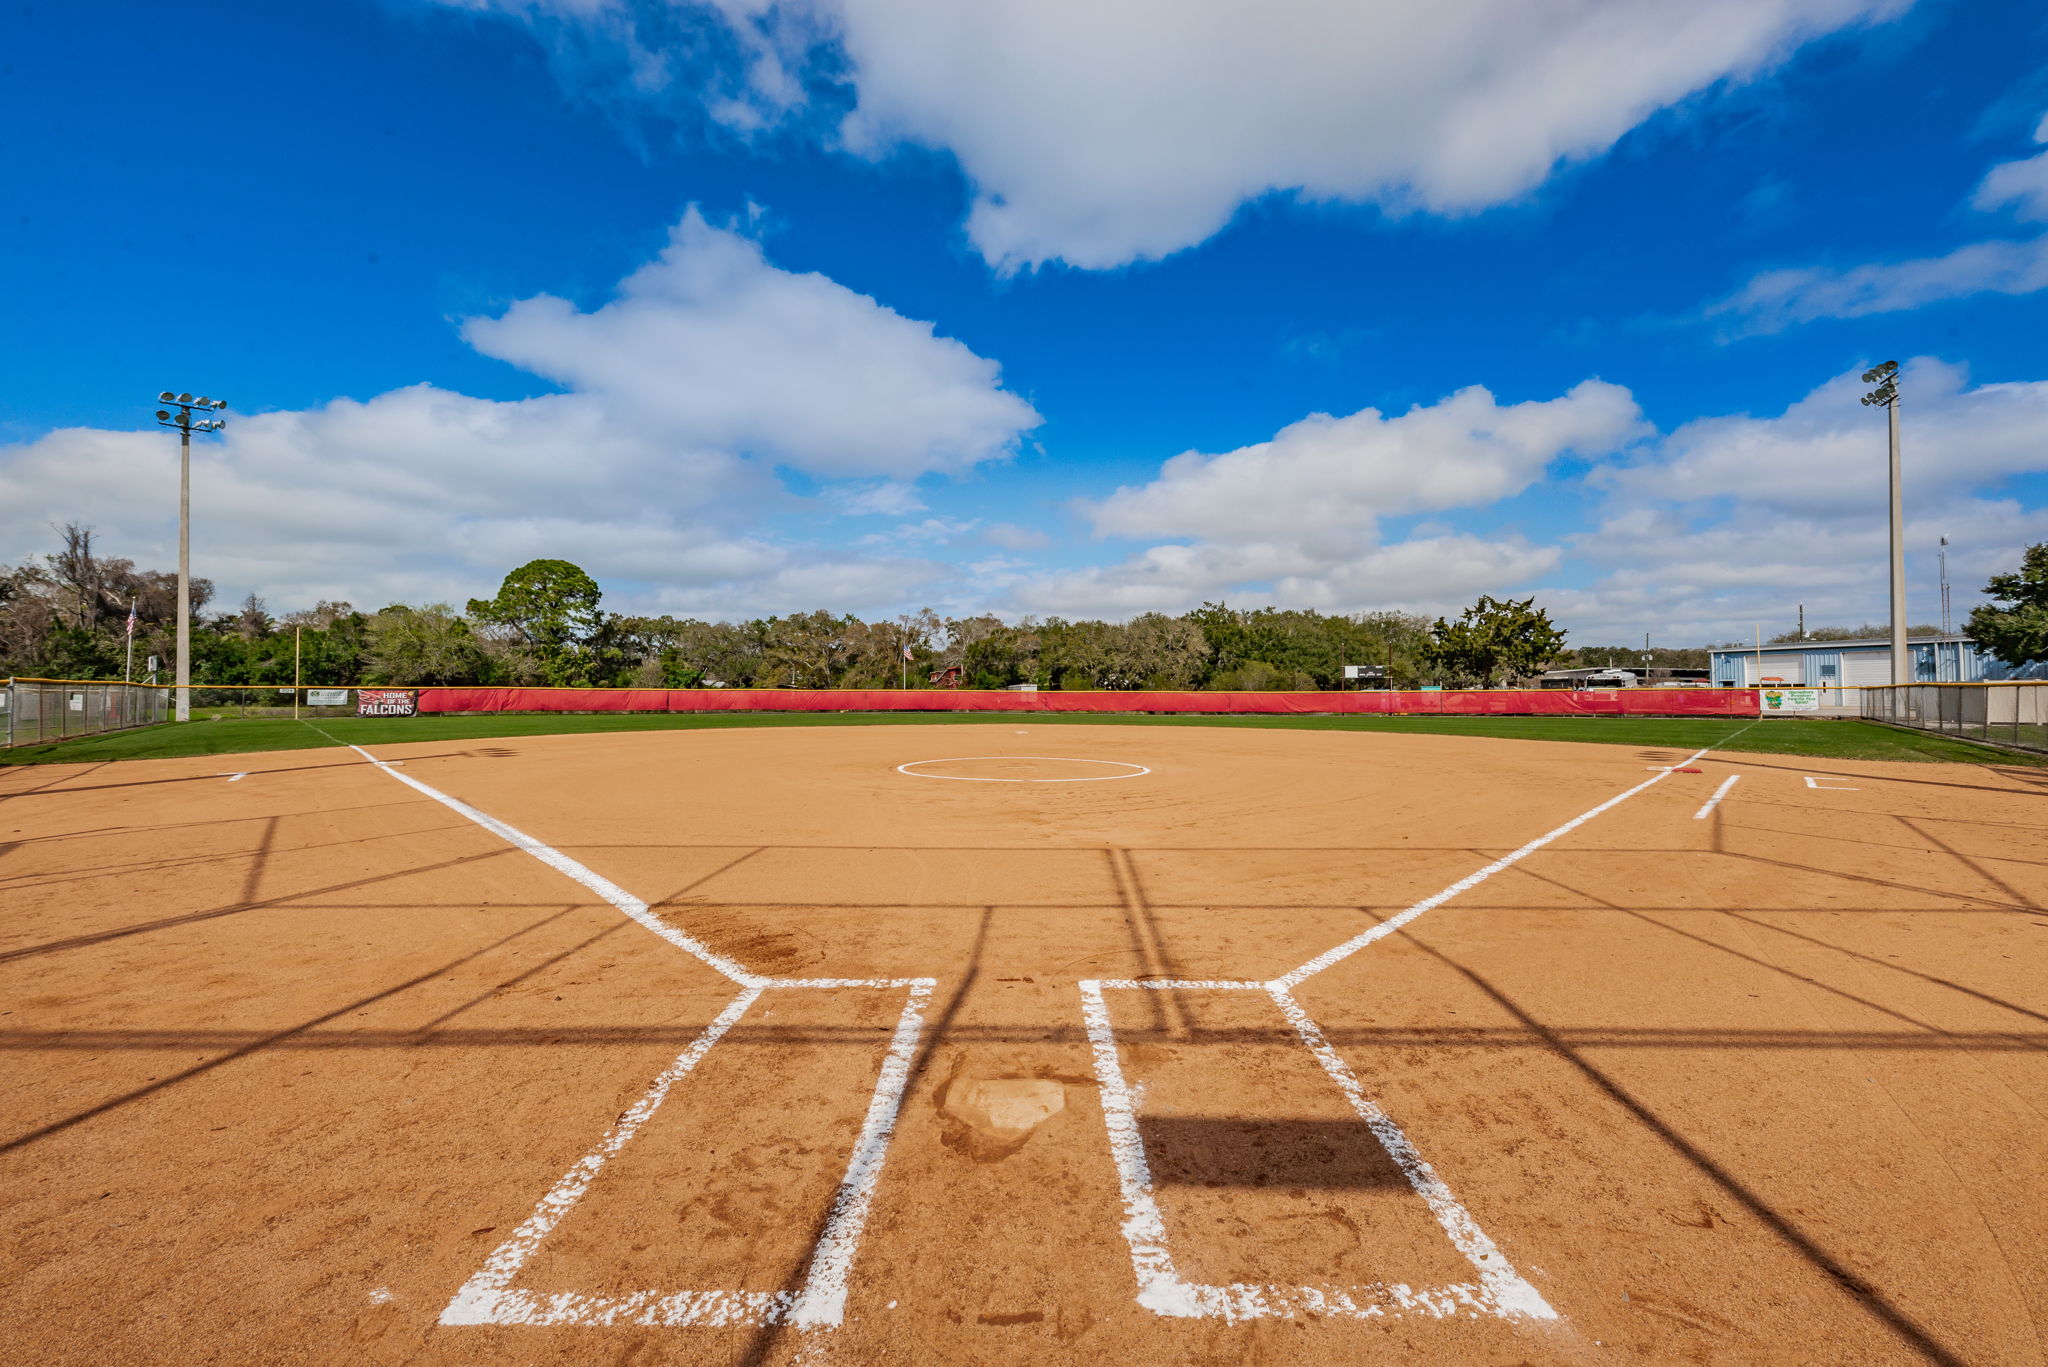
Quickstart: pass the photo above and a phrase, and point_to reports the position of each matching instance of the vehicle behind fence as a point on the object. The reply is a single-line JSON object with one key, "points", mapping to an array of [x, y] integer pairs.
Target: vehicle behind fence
{"points": [[36, 711], [2003, 713]]}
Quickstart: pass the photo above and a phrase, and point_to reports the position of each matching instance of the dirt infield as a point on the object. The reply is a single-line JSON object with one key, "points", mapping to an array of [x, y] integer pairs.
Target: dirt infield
{"points": [[864, 1046]]}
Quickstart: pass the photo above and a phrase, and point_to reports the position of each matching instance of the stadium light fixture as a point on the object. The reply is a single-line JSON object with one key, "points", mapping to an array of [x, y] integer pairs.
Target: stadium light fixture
{"points": [[181, 419], [1886, 396]]}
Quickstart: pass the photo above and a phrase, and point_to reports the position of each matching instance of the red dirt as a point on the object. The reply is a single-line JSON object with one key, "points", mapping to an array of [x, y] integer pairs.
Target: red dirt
{"points": [[291, 1056]]}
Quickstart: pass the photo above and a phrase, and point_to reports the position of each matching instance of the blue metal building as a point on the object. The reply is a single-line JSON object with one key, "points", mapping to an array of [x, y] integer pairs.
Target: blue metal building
{"points": [[1849, 664]]}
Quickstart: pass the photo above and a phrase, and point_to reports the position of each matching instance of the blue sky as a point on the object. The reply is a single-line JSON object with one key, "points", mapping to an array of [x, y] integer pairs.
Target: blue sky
{"points": [[1049, 308]]}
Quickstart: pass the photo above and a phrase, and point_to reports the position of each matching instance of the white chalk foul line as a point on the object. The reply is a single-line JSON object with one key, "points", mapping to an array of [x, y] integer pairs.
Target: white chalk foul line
{"points": [[1137, 770], [489, 1296], [1331, 957], [1499, 1289], [1707, 808], [569, 868]]}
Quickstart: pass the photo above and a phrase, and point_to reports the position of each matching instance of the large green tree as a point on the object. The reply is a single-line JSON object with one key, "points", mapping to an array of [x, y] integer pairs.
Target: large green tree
{"points": [[423, 645], [1495, 641], [547, 613], [2014, 627]]}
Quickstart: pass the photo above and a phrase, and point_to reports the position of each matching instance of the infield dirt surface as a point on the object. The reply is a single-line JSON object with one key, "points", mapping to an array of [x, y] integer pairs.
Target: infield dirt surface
{"points": [[299, 1062]]}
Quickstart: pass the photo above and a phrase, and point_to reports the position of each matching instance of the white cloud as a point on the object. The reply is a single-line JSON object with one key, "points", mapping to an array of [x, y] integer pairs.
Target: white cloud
{"points": [[1777, 299], [713, 346], [1296, 519], [1733, 521], [1431, 574], [1824, 455], [838, 582], [1012, 537], [1101, 134], [890, 498], [936, 531], [1327, 474], [2021, 184], [709, 369]]}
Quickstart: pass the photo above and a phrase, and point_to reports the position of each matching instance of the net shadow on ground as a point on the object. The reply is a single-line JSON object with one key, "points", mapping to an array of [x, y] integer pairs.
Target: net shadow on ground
{"points": [[1219, 1151], [135, 1094], [1787, 1230]]}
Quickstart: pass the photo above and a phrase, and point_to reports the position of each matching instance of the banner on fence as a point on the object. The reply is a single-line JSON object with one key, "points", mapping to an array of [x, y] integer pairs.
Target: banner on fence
{"points": [[327, 697], [1590, 702], [1791, 700], [386, 702]]}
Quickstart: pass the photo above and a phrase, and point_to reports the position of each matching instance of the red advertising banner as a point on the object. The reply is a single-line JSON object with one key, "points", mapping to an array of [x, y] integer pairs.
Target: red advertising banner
{"points": [[1553, 702], [384, 702]]}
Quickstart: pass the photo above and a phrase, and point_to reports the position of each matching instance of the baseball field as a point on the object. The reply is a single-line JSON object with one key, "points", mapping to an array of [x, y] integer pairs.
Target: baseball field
{"points": [[1023, 1043]]}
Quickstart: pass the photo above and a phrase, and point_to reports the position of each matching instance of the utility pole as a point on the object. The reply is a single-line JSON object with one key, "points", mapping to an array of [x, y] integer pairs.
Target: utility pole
{"points": [[297, 677], [182, 421], [1886, 396], [1947, 622]]}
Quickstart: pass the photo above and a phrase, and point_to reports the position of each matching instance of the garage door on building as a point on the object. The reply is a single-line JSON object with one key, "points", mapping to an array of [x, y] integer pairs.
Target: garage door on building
{"points": [[1865, 667], [1788, 670]]}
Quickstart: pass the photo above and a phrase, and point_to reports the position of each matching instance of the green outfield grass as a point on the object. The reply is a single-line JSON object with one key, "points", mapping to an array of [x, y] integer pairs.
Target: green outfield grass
{"points": [[1827, 739]]}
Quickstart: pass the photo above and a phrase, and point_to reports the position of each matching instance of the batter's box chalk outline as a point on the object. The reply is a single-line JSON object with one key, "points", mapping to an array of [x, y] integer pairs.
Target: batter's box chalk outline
{"points": [[490, 1297], [1498, 1289]]}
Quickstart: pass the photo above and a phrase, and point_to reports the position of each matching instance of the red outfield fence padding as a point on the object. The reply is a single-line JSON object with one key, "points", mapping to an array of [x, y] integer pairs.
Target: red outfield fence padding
{"points": [[1550, 702]]}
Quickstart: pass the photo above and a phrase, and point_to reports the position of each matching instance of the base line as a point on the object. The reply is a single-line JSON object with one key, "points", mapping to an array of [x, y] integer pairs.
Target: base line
{"points": [[1331, 957], [1715, 800], [596, 882]]}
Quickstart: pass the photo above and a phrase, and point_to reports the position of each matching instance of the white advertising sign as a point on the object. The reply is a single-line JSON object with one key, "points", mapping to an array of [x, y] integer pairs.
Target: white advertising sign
{"points": [[1791, 699]]}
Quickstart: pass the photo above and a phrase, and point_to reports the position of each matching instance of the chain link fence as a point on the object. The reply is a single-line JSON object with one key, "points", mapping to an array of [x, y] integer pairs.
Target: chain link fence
{"points": [[37, 711], [2014, 714]]}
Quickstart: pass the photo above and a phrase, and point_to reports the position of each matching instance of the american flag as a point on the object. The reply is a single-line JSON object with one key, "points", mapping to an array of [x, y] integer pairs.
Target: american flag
{"points": [[906, 651], [131, 621]]}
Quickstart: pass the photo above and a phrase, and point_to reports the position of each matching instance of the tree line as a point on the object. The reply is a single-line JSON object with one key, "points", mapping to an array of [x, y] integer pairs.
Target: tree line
{"points": [[64, 615]]}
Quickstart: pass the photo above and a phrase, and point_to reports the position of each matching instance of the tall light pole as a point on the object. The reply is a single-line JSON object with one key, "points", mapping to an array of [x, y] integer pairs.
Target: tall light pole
{"points": [[179, 415], [1886, 396]]}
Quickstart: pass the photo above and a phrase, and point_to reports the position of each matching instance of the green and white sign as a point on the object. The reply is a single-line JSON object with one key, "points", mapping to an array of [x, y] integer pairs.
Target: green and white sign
{"points": [[1791, 700]]}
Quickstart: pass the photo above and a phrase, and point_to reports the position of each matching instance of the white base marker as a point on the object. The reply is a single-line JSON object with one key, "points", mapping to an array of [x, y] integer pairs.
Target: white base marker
{"points": [[1813, 782], [1715, 800]]}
